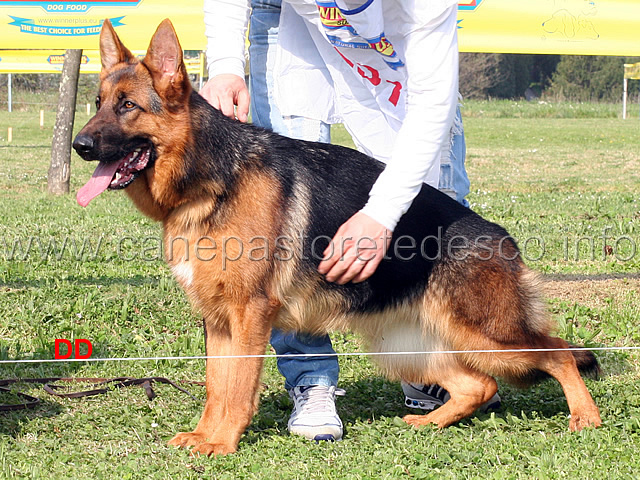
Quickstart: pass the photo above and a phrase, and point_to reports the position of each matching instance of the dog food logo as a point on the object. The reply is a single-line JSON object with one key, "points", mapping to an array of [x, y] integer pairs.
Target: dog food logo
{"points": [[342, 34], [62, 19], [69, 7]]}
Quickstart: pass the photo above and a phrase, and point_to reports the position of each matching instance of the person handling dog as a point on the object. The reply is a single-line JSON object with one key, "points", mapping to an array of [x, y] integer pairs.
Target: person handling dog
{"points": [[387, 70]]}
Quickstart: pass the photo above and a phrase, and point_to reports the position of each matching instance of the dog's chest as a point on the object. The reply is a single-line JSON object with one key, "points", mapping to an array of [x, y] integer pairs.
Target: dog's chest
{"points": [[183, 273]]}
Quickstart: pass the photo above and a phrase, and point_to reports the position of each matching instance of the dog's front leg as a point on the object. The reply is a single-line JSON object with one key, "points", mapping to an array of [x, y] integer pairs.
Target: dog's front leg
{"points": [[232, 383], [217, 343]]}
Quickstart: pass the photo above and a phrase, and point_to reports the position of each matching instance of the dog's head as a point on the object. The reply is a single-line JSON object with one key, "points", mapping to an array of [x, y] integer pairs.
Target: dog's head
{"points": [[137, 98]]}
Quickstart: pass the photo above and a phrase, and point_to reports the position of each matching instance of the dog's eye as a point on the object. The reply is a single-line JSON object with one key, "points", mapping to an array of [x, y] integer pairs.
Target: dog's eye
{"points": [[98, 103], [128, 104]]}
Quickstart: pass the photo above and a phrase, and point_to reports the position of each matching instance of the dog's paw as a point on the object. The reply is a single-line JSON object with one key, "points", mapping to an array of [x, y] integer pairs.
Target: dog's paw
{"points": [[578, 422], [188, 439], [417, 420], [215, 449]]}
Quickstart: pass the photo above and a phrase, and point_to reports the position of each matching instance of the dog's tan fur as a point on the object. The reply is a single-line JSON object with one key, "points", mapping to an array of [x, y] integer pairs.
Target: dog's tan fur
{"points": [[242, 299]]}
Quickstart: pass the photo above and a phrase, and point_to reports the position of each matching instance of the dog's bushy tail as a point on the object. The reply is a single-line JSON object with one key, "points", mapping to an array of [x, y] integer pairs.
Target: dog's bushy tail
{"points": [[586, 362]]}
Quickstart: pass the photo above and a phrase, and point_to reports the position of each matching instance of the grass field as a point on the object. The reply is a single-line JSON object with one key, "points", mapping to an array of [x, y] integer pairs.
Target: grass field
{"points": [[566, 186]]}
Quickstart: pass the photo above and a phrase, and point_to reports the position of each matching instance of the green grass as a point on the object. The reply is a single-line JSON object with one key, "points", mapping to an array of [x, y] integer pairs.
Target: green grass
{"points": [[557, 179], [546, 109]]}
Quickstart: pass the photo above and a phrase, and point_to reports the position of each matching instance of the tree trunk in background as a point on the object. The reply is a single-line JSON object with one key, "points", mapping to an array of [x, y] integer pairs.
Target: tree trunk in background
{"points": [[478, 73], [60, 168]]}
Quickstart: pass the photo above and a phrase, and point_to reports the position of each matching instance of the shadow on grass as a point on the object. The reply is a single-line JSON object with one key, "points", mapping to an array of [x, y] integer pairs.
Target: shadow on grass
{"points": [[373, 398], [104, 280], [366, 402], [25, 378], [135, 281], [11, 423]]}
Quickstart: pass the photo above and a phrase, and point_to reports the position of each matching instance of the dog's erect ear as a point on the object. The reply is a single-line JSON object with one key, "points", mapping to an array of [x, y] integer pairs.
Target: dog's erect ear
{"points": [[164, 61], [112, 51]]}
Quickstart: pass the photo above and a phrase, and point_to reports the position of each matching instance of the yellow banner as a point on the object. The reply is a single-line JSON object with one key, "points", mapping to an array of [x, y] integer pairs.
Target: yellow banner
{"points": [[597, 27], [50, 61], [575, 27], [29, 24], [632, 71]]}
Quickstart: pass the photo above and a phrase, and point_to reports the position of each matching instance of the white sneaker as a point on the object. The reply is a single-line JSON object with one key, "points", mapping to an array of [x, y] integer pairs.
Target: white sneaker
{"points": [[314, 413], [428, 397]]}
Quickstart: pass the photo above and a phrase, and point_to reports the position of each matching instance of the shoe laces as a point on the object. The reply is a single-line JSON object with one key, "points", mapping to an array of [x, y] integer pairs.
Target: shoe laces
{"points": [[315, 399]]}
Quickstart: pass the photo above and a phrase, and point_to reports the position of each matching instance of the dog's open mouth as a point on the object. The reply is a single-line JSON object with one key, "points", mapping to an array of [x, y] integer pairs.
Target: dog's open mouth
{"points": [[114, 175]]}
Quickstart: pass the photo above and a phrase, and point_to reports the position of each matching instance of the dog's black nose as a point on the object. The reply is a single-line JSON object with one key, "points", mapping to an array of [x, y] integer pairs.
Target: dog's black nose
{"points": [[83, 144]]}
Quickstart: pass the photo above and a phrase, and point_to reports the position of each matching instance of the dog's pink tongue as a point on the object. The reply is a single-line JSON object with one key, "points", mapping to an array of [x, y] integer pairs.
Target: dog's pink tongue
{"points": [[98, 183]]}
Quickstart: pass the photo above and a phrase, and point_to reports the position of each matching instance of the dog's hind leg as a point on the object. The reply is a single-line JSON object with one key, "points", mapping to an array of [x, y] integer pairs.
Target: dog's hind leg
{"points": [[469, 389], [232, 383], [561, 365]]}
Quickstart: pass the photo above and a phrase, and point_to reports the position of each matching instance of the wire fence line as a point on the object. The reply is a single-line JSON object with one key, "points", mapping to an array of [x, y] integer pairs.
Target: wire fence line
{"points": [[311, 355]]}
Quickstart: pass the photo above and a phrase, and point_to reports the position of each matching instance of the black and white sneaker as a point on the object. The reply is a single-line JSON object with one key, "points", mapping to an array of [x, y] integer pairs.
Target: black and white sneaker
{"points": [[429, 397]]}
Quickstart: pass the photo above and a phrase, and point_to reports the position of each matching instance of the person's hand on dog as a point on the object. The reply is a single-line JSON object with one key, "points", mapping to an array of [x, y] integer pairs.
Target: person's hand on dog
{"points": [[356, 250], [226, 91]]}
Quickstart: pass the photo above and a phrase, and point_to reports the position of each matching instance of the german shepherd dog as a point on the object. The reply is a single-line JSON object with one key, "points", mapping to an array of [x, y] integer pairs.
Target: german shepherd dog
{"points": [[246, 214]]}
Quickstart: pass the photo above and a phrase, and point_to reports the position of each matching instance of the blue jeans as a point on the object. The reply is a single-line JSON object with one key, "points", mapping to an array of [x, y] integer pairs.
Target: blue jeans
{"points": [[263, 35], [453, 173]]}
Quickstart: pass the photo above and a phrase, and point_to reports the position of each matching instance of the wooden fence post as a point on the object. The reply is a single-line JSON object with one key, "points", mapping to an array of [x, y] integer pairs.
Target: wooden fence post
{"points": [[60, 168]]}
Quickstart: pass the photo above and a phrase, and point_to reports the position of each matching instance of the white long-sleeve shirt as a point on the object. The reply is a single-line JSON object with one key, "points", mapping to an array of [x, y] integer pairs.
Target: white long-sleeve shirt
{"points": [[401, 115], [225, 26]]}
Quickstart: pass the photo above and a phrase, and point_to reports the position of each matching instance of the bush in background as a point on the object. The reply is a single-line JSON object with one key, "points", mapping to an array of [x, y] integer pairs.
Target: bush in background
{"points": [[572, 78], [588, 78], [492, 75]]}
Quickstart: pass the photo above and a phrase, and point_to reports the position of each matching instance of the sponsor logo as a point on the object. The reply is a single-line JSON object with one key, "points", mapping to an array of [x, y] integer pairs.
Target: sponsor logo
{"points": [[60, 27], [69, 7]]}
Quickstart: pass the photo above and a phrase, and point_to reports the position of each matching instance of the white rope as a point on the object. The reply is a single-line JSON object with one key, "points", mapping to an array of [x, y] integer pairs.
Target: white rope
{"points": [[311, 355]]}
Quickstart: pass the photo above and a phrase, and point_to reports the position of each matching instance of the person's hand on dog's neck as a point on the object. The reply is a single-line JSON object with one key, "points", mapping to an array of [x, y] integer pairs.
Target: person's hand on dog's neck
{"points": [[229, 94]]}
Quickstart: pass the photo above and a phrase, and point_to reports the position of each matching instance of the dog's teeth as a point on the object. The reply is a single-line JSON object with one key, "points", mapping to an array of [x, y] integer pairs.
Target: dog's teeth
{"points": [[118, 176]]}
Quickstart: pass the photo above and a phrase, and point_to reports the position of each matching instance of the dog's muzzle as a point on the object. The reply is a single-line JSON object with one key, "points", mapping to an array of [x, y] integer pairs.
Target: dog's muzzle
{"points": [[83, 145]]}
